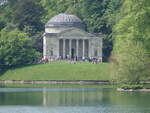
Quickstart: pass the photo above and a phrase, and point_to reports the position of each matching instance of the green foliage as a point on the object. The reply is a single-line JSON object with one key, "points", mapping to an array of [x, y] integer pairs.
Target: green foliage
{"points": [[6, 12], [110, 18], [92, 12], [25, 15], [147, 86], [125, 86], [130, 62], [28, 13], [37, 41], [131, 53], [54, 7], [2, 25], [15, 49]]}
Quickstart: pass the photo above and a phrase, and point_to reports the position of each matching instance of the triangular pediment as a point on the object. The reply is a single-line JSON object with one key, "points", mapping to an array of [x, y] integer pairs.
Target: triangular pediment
{"points": [[74, 32]]}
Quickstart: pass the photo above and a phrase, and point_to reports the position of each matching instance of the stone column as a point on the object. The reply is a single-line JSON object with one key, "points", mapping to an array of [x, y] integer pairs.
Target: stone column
{"points": [[83, 55], [64, 47], [70, 43], [89, 49], [77, 48]]}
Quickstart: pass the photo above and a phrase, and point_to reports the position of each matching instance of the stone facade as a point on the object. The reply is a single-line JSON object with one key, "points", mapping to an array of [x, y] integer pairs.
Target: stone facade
{"points": [[65, 37]]}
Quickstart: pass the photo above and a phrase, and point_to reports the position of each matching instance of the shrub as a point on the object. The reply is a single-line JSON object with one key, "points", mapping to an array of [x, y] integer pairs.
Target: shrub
{"points": [[16, 49]]}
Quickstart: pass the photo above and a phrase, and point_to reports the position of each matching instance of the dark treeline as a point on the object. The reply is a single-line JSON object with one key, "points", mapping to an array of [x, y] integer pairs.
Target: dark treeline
{"points": [[125, 23]]}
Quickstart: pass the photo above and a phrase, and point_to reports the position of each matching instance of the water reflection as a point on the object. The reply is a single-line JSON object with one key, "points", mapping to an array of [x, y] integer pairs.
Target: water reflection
{"points": [[74, 97], [96, 99]]}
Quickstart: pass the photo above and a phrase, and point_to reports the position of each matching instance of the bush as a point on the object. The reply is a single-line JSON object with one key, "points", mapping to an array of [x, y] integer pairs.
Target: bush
{"points": [[16, 49], [131, 86], [130, 62]]}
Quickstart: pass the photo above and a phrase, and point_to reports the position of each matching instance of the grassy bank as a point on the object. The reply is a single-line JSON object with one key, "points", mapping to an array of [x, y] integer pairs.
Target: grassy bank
{"points": [[55, 86], [59, 71]]}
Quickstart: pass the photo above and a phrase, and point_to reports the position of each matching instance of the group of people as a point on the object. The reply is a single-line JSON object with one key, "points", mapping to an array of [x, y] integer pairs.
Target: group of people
{"points": [[72, 60]]}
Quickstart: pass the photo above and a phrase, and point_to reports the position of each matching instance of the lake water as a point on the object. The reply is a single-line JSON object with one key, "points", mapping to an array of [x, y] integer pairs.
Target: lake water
{"points": [[72, 100]]}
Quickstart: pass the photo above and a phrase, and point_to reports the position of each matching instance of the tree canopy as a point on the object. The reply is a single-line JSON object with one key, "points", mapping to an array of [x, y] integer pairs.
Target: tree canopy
{"points": [[28, 13], [15, 49], [131, 53]]}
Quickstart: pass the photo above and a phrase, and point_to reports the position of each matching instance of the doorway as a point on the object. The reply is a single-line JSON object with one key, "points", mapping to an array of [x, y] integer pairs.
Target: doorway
{"points": [[72, 53]]}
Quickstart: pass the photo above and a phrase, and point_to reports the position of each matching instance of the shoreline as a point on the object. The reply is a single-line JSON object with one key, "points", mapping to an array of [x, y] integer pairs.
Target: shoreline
{"points": [[80, 82], [131, 90]]}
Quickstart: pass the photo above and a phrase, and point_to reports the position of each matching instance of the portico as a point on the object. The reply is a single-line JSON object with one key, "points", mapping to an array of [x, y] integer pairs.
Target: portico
{"points": [[73, 48]]}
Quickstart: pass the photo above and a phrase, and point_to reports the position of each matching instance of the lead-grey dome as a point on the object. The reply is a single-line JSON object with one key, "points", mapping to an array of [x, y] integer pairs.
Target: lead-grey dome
{"points": [[64, 19]]}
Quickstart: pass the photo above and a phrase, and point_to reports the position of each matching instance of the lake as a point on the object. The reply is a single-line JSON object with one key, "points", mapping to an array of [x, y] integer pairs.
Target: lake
{"points": [[72, 100]]}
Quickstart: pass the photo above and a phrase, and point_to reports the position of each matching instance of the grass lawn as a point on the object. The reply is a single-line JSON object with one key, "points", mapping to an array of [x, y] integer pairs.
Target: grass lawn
{"points": [[55, 86], [59, 71]]}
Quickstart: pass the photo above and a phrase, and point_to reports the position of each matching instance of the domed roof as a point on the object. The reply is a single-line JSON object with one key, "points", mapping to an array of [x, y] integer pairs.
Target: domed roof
{"points": [[64, 19]]}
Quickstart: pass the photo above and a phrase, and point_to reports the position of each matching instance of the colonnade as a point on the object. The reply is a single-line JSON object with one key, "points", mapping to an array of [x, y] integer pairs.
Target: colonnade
{"points": [[71, 48]]}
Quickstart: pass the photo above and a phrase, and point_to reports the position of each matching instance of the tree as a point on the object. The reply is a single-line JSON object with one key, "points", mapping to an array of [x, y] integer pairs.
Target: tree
{"points": [[2, 25], [110, 19], [130, 62], [29, 13], [54, 7], [16, 49], [131, 51], [92, 12]]}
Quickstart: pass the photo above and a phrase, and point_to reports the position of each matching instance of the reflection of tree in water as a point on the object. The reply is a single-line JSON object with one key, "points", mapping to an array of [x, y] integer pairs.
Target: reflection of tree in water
{"points": [[2, 98], [20, 98], [137, 99], [73, 97]]}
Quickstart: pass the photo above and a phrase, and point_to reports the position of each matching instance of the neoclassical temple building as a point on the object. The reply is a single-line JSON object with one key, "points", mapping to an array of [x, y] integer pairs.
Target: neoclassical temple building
{"points": [[65, 37]]}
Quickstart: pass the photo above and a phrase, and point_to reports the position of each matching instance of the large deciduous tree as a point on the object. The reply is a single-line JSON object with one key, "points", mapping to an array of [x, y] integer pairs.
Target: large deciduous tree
{"points": [[130, 62], [28, 13], [15, 49], [131, 53]]}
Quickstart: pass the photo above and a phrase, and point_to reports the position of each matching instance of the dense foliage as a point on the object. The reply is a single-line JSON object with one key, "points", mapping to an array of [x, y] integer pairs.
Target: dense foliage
{"points": [[15, 49], [130, 62], [27, 15], [131, 53]]}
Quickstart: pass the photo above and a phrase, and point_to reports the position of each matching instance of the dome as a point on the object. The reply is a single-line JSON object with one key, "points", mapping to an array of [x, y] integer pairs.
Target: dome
{"points": [[66, 20]]}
